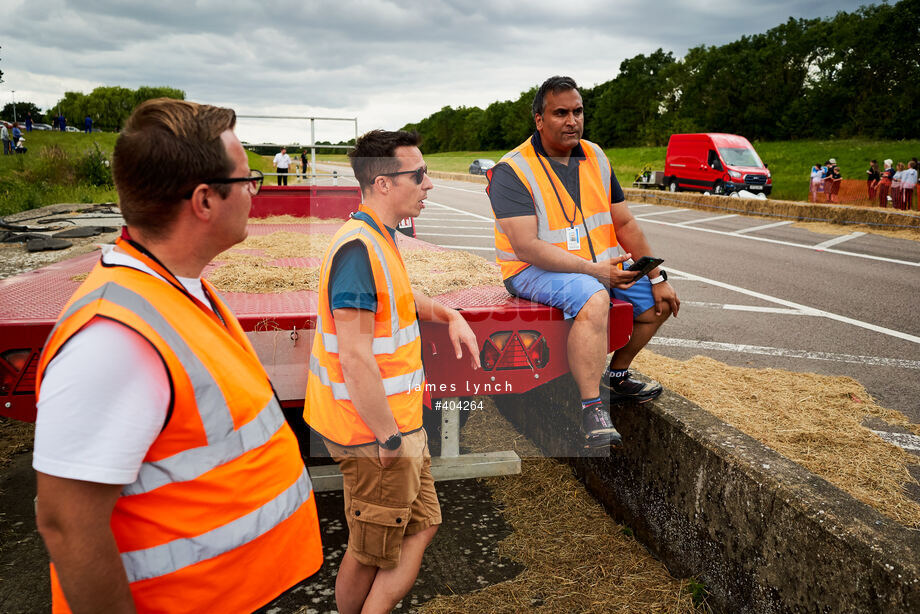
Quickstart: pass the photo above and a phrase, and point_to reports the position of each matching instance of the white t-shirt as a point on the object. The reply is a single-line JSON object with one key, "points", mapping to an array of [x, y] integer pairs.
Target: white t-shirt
{"points": [[104, 398], [281, 160]]}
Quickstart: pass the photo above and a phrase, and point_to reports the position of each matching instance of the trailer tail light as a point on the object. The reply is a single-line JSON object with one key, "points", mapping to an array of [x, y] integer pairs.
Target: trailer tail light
{"points": [[12, 363], [525, 349]]}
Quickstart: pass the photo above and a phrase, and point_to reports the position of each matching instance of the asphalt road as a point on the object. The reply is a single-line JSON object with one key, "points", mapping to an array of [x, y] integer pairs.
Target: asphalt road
{"points": [[757, 292]]}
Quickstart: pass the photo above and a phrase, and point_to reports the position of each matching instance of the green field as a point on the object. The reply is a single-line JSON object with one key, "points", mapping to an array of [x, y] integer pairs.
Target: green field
{"points": [[59, 167], [54, 169]]}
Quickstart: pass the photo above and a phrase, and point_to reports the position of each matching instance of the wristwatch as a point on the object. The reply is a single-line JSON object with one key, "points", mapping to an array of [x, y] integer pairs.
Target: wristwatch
{"points": [[392, 443], [662, 276]]}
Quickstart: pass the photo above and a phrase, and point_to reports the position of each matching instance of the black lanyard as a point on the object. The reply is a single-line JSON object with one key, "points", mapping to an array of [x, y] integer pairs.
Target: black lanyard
{"points": [[562, 207]]}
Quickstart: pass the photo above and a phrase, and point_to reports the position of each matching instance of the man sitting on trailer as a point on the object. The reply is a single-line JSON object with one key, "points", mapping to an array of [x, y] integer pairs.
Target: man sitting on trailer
{"points": [[561, 218], [366, 380], [168, 479]]}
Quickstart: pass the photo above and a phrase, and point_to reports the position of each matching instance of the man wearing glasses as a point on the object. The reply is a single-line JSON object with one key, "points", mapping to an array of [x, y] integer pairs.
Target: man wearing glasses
{"points": [[366, 382], [168, 479]]}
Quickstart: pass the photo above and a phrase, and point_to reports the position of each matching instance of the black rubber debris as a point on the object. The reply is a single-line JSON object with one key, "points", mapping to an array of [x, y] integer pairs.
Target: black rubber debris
{"points": [[46, 244], [78, 232], [22, 237]]}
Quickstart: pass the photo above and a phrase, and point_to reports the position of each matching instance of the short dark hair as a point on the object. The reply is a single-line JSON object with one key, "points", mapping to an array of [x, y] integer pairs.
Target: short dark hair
{"points": [[374, 154], [555, 85], [166, 148]]}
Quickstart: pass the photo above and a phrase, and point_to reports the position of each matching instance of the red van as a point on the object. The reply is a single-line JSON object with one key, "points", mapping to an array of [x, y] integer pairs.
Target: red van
{"points": [[717, 163]]}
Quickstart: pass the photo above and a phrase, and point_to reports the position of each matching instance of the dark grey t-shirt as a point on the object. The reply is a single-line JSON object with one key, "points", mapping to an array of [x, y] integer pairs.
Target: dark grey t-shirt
{"points": [[510, 197]]}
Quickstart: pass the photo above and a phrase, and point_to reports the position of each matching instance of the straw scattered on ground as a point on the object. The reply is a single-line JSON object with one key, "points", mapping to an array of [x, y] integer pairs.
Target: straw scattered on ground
{"points": [[814, 420], [15, 438], [576, 558], [246, 267]]}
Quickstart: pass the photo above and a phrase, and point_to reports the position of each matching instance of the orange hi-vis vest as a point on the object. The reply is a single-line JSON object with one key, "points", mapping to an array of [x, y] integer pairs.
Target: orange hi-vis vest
{"points": [[556, 210], [397, 345], [222, 516]]}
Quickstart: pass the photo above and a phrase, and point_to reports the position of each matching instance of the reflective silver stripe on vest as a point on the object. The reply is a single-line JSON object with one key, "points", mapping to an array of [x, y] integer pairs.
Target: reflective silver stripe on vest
{"points": [[194, 462], [180, 553], [607, 254], [598, 220], [391, 385], [602, 161], [519, 162], [503, 255], [380, 345], [212, 406], [398, 336]]}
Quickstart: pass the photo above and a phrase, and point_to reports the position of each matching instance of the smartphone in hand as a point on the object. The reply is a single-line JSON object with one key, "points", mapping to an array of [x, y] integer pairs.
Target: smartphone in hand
{"points": [[643, 265]]}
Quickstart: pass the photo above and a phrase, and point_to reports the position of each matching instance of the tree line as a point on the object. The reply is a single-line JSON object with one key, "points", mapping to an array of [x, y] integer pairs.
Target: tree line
{"points": [[855, 74], [109, 107]]}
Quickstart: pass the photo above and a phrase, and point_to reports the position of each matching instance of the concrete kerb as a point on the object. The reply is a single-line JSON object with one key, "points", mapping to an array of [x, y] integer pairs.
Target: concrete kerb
{"points": [[761, 532]]}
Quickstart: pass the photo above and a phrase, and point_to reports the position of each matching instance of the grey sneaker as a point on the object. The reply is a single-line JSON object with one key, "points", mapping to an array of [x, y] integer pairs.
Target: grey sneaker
{"points": [[629, 389], [597, 427]]}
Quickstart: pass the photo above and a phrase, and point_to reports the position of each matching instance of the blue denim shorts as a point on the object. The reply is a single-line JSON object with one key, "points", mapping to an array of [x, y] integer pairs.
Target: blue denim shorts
{"points": [[570, 291]]}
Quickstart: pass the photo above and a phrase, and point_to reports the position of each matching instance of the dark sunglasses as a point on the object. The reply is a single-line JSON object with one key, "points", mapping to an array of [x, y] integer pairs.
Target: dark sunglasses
{"points": [[418, 174], [254, 180]]}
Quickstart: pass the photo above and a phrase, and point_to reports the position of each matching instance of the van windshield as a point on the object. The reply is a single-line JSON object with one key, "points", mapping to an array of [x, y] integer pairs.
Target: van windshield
{"points": [[740, 156]]}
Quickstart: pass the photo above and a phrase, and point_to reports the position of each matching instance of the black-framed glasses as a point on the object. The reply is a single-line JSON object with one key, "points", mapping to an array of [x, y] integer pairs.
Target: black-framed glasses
{"points": [[418, 174], [254, 181]]}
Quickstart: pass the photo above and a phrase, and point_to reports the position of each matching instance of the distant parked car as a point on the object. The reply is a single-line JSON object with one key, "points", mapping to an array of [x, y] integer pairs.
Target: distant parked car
{"points": [[479, 167], [73, 129], [41, 126]]}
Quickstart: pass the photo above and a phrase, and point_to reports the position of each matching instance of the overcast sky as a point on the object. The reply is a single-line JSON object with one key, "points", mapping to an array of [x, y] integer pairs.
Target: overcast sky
{"points": [[386, 63]]}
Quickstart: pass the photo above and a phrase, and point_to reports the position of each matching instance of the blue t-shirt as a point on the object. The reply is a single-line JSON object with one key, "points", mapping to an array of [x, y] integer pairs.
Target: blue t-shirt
{"points": [[351, 279]]}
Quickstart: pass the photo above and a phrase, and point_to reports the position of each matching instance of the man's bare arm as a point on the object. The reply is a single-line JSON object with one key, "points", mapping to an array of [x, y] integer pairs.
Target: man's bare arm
{"points": [[74, 518]]}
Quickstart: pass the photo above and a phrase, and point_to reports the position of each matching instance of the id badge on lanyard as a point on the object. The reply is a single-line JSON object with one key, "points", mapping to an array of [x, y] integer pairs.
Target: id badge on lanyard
{"points": [[573, 239]]}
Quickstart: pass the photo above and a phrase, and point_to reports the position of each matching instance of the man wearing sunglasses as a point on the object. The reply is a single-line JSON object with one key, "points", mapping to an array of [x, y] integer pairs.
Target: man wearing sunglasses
{"points": [[168, 479], [562, 234], [366, 382]]}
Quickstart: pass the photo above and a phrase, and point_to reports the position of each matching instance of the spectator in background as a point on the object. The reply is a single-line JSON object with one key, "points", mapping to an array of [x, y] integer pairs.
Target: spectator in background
{"points": [[21, 145], [828, 180], [282, 162], [832, 183], [896, 186], [28, 122], [884, 185], [304, 163], [5, 137], [62, 123], [817, 179], [909, 184], [17, 133], [872, 178], [87, 124]]}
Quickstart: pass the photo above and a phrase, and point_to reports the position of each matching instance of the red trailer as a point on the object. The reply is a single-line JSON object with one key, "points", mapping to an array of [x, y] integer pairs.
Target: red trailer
{"points": [[522, 344]]}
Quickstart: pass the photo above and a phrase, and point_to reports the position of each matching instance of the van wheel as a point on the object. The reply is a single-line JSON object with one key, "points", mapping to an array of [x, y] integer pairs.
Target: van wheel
{"points": [[672, 187], [718, 188]]}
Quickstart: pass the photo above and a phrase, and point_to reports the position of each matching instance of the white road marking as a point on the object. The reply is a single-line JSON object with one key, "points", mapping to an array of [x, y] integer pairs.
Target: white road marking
{"points": [[762, 227], [871, 361], [450, 234], [755, 308], [426, 225], [645, 215], [482, 249], [450, 187], [708, 219], [906, 441], [637, 205], [774, 241], [805, 308], [476, 215], [836, 240]]}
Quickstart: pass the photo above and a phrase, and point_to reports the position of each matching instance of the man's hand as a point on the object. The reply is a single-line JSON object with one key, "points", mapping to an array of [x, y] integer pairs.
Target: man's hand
{"points": [[664, 293], [461, 334], [387, 457], [609, 274]]}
